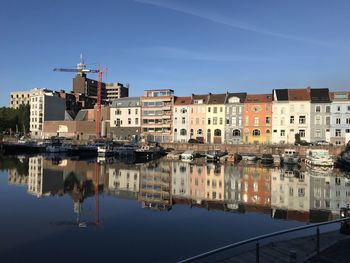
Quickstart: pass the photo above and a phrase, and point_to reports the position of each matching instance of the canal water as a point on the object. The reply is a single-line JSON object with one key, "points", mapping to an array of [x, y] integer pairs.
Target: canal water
{"points": [[62, 210]]}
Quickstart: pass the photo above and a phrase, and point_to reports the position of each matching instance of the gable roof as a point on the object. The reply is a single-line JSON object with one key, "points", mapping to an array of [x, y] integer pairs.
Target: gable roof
{"points": [[339, 95], [280, 94], [262, 98], [182, 100], [299, 94], [319, 95], [200, 97], [82, 115], [241, 96], [217, 98]]}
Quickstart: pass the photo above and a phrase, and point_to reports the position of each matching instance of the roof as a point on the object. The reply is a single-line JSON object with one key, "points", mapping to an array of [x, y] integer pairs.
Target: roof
{"points": [[200, 97], [319, 95], [241, 96], [81, 116], [262, 98], [217, 98], [69, 115], [339, 95], [126, 102], [299, 94], [182, 100], [280, 94]]}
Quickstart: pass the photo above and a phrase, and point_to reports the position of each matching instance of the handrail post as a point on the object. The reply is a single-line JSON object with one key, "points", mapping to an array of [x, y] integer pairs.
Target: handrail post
{"points": [[257, 251], [318, 241]]}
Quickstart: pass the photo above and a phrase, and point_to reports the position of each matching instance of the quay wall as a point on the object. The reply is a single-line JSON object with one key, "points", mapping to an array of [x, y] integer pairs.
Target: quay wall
{"points": [[251, 148]]}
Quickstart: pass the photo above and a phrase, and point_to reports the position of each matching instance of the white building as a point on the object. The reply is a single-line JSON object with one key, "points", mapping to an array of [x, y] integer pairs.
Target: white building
{"points": [[45, 105], [181, 111], [291, 115], [180, 179], [340, 118], [19, 98], [125, 118], [35, 175], [124, 179]]}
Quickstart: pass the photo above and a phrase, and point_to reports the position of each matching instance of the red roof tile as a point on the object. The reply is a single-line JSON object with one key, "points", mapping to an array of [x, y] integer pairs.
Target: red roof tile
{"points": [[182, 100], [253, 98]]}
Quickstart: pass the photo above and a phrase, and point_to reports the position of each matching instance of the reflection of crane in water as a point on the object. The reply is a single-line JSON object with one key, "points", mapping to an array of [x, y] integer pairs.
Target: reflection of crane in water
{"points": [[79, 190]]}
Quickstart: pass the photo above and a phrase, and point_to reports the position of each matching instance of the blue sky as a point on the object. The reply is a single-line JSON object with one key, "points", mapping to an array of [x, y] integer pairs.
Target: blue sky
{"points": [[189, 46]]}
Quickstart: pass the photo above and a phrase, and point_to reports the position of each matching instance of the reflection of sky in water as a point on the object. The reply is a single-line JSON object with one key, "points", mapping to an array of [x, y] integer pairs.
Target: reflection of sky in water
{"points": [[42, 228]]}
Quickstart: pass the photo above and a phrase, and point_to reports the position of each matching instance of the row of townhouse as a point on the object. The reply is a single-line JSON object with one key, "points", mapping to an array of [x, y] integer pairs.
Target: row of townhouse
{"points": [[233, 118]]}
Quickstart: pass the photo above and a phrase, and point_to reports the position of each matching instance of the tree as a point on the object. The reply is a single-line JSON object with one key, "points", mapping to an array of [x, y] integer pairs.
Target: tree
{"points": [[10, 118]]}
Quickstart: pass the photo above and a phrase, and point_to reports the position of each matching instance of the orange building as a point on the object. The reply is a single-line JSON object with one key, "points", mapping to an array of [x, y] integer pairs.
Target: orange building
{"points": [[257, 118]]}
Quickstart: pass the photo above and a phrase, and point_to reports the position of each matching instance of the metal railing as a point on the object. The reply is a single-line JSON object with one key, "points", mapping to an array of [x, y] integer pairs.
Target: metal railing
{"points": [[258, 238]]}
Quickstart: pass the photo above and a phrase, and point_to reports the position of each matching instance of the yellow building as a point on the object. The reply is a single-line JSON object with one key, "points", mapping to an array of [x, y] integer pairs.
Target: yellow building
{"points": [[215, 115]]}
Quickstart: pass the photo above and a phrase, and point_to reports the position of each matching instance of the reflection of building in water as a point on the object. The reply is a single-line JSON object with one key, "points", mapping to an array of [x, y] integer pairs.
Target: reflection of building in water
{"points": [[180, 179], [215, 182], [233, 186], [197, 182], [124, 182], [35, 175], [290, 195], [13, 177], [256, 186], [329, 192], [155, 186]]}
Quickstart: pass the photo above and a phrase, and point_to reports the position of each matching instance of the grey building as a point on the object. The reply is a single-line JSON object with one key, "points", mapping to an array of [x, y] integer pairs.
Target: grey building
{"points": [[320, 115], [125, 118], [234, 117]]}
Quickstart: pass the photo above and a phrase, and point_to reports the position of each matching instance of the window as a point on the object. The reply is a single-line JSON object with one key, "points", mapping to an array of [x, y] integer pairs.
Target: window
{"points": [[338, 108], [221, 109], [183, 120], [129, 111], [318, 108], [347, 120], [318, 133], [348, 108], [268, 120], [209, 121], [302, 120], [228, 120], [129, 120], [337, 120], [328, 120], [240, 121], [328, 109], [267, 131], [337, 133], [318, 120], [282, 110], [291, 120], [283, 133], [117, 122], [191, 132], [217, 132], [302, 133], [256, 120], [347, 130], [282, 121], [136, 121], [215, 120], [247, 120], [183, 132], [220, 121], [200, 132], [215, 109], [208, 109], [197, 121], [275, 131], [256, 132], [236, 133], [175, 120]]}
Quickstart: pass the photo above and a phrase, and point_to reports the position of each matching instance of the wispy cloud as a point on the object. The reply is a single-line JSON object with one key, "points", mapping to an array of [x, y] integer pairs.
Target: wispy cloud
{"points": [[227, 21]]}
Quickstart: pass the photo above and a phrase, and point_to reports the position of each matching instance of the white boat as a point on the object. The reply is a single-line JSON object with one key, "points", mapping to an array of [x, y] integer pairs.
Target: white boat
{"points": [[188, 156], [249, 157], [318, 157], [290, 156], [56, 146], [106, 150]]}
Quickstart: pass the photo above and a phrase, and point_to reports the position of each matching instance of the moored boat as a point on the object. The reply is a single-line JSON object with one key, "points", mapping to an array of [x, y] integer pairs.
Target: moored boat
{"points": [[290, 156], [267, 159], [318, 157], [188, 156], [56, 146]]}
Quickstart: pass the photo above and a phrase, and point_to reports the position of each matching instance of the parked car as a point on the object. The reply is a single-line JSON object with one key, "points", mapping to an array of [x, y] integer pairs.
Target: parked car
{"points": [[303, 143], [194, 141], [322, 143]]}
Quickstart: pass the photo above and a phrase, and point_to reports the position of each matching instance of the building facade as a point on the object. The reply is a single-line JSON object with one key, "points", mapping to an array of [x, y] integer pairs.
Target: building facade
{"points": [[234, 117], [116, 91], [125, 122], [19, 98], [340, 118], [215, 118], [197, 117], [45, 105], [320, 115], [257, 121], [181, 111], [156, 115]]}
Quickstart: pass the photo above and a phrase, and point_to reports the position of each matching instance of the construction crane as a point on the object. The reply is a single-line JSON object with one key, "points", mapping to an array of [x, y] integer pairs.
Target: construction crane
{"points": [[81, 68]]}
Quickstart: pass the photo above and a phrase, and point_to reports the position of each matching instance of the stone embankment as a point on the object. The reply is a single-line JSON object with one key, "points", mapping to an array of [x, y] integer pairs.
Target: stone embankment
{"points": [[250, 148]]}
